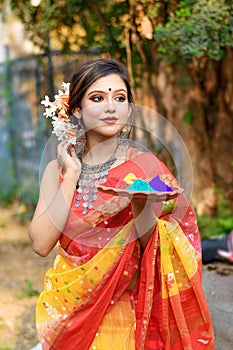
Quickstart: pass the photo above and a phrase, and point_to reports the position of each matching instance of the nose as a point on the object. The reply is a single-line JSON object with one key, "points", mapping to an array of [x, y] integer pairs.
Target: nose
{"points": [[110, 106]]}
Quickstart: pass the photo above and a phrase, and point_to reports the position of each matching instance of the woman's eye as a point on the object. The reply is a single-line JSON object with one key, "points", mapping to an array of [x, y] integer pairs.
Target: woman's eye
{"points": [[97, 98], [120, 98]]}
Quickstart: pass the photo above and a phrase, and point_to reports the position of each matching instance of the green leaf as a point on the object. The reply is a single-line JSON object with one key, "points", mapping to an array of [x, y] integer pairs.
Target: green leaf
{"points": [[188, 117]]}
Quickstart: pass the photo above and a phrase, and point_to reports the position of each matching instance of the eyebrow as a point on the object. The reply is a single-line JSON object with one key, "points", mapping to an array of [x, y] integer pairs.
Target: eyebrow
{"points": [[104, 92]]}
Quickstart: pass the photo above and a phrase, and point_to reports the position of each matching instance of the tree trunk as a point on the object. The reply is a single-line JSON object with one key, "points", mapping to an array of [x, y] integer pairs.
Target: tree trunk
{"points": [[197, 98], [198, 101]]}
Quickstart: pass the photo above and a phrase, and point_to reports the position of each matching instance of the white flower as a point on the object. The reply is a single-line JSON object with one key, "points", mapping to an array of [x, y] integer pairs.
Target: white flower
{"points": [[62, 127], [46, 102], [50, 112], [60, 92], [66, 87]]}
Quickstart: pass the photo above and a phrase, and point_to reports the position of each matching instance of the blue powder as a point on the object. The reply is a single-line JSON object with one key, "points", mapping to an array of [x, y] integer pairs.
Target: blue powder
{"points": [[140, 185]]}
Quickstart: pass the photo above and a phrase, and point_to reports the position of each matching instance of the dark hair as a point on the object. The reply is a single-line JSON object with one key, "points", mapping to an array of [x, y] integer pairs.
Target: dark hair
{"points": [[89, 73]]}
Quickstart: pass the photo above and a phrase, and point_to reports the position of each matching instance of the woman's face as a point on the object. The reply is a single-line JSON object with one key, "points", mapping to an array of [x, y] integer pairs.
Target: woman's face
{"points": [[105, 107]]}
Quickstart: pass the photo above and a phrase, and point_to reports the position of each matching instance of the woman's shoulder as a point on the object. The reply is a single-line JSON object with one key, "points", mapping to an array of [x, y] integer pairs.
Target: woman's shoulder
{"points": [[132, 152], [148, 161], [136, 153]]}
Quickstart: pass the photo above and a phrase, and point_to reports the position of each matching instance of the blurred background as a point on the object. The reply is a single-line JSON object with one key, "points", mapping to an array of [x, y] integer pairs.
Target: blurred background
{"points": [[179, 57]]}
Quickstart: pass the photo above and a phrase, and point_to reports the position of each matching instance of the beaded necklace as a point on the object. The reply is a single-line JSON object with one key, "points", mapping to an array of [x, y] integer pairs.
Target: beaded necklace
{"points": [[89, 177]]}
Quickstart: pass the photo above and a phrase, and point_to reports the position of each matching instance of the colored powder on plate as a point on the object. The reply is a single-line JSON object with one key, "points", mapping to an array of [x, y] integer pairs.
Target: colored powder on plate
{"points": [[159, 185], [140, 185], [130, 178]]}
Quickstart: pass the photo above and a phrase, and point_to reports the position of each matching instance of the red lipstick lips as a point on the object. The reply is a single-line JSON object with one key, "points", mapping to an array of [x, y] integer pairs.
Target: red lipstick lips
{"points": [[109, 120]]}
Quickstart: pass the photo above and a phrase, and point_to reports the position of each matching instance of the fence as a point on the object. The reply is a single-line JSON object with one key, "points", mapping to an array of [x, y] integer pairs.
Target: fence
{"points": [[24, 131]]}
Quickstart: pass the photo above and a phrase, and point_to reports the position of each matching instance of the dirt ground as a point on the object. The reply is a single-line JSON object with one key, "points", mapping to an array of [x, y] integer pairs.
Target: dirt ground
{"points": [[21, 279]]}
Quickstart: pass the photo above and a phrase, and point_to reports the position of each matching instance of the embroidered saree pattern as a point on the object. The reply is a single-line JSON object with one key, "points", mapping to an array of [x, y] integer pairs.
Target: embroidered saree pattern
{"points": [[86, 303]]}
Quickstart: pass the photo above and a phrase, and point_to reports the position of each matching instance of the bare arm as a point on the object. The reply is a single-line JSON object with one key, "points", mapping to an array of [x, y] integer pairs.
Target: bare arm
{"points": [[54, 201]]}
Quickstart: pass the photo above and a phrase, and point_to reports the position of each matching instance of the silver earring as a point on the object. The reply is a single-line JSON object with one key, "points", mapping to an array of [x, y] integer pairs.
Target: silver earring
{"points": [[124, 136], [80, 138]]}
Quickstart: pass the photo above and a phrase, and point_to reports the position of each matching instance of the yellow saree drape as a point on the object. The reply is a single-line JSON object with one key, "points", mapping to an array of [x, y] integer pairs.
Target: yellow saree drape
{"points": [[67, 287]]}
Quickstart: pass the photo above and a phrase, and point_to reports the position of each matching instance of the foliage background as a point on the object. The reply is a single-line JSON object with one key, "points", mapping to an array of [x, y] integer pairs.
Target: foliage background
{"points": [[180, 61]]}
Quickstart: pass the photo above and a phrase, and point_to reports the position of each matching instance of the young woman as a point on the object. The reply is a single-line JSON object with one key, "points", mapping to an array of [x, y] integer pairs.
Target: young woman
{"points": [[128, 273]]}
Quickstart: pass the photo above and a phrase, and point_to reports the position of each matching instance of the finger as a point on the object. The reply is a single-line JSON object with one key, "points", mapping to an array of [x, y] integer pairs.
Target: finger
{"points": [[66, 145], [64, 148], [61, 146], [62, 152]]}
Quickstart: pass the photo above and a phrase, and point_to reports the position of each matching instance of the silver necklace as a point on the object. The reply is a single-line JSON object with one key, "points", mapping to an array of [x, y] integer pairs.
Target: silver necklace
{"points": [[89, 177]]}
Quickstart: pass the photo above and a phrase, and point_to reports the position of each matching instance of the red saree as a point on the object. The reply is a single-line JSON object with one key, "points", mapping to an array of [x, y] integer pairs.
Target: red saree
{"points": [[98, 257]]}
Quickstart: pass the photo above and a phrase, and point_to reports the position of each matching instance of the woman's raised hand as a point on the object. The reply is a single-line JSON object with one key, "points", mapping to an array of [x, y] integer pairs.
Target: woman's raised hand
{"points": [[67, 158]]}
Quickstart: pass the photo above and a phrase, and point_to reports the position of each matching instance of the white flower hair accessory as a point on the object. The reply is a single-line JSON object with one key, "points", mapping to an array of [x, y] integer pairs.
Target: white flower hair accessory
{"points": [[58, 112]]}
